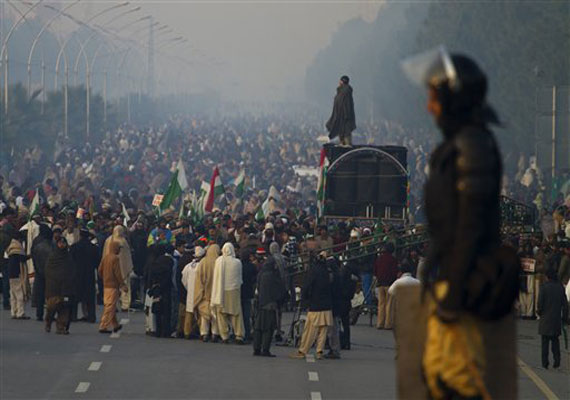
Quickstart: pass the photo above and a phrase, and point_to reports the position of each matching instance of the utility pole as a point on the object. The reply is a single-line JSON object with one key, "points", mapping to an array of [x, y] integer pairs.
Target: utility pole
{"points": [[553, 131], [150, 69]]}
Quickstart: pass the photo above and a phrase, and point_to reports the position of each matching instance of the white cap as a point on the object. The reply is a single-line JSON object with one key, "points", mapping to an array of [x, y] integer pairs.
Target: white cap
{"points": [[268, 226], [199, 251]]}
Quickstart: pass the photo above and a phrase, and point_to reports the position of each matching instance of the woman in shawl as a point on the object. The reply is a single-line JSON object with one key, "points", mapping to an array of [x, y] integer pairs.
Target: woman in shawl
{"points": [[59, 275], [125, 261], [226, 294], [203, 293]]}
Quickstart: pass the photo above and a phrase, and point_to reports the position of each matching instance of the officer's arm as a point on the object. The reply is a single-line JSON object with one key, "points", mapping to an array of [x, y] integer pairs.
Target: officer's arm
{"points": [[477, 181]]}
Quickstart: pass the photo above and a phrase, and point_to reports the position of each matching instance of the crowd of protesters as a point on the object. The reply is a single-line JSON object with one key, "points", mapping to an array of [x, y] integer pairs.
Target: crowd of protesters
{"points": [[96, 238]]}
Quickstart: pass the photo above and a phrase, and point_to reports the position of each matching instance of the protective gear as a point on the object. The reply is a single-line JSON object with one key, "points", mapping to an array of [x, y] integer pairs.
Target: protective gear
{"points": [[462, 208]]}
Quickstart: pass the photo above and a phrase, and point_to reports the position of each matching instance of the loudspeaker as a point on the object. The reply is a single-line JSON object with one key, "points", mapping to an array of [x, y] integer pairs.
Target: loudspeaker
{"points": [[366, 181]]}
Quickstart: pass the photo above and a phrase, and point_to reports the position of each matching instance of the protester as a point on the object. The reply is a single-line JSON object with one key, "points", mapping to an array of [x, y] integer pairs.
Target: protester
{"points": [[59, 274], [386, 272], [271, 293], [226, 298], [189, 281], [203, 294], [113, 281], [125, 261], [317, 292], [161, 274], [86, 259], [281, 266], [41, 249], [553, 311], [18, 276], [249, 278]]}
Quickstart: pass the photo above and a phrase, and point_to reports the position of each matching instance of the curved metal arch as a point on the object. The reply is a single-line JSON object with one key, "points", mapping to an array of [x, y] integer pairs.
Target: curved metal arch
{"points": [[336, 163]]}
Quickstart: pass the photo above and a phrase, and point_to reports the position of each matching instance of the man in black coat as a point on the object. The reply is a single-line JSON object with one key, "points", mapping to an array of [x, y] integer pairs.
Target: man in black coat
{"points": [[86, 257], [271, 293], [342, 121], [138, 240], [41, 249], [553, 311], [249, 278]]}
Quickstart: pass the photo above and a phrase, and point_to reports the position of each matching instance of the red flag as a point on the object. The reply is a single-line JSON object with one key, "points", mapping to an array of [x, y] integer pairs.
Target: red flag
{"points": [[216, 188]]}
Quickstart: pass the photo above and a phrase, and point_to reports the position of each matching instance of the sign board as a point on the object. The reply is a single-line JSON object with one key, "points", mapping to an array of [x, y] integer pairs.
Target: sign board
{"points": [[528, 264], [157, 200]]}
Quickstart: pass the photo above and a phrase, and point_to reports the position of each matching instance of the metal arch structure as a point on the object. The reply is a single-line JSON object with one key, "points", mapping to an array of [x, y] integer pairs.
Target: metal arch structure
{"points": [[336, 163], [37, 38], [4, 51]]}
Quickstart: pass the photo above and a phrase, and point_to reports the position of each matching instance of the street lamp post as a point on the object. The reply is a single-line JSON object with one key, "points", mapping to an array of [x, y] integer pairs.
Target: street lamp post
{"points": [[4, 51], [35, 42], [66, 65]]}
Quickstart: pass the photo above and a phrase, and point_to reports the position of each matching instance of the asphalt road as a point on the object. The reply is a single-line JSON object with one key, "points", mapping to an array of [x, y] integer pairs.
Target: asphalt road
{"points": [[89, 365]]}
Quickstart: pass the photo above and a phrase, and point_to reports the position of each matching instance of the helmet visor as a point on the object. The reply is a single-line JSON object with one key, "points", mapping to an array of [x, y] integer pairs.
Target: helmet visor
{"points": [[432, 67]]}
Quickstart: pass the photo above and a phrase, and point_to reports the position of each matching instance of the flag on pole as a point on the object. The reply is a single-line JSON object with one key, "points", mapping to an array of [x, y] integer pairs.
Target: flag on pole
{"points": [[321, 184], [126, 217], [35, 205], [178, 184], [265, 208], [240, 184], [216, 189]]}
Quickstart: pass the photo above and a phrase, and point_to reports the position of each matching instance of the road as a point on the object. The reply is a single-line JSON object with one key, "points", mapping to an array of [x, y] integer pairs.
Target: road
{"points": [[88, 365]]}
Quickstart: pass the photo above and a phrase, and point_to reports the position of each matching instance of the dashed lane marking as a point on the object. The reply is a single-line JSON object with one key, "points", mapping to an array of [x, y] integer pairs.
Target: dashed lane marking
{"points": [[115, 335], [82, 387], [124, 321], [540, 384], [310, 358], [313, 376], [106, 348], [94, 366], [316, 396]]}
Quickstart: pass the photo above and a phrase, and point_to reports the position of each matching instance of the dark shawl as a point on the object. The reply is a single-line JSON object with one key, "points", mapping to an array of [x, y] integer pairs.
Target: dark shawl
{"points": [[342, 121]]}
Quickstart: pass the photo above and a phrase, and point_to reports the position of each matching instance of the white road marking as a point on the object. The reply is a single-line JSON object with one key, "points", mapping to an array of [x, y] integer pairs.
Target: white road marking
{"points": [[540, 384], [310, 358], [316, 396], [313, 376], [124, 321], [106, 348], [82, 387], [115, 335], [94, 366]]}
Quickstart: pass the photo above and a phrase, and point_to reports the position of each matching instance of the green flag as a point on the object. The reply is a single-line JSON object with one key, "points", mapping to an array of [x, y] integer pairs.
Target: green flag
{"points": [[240, 184], [178, 184]]}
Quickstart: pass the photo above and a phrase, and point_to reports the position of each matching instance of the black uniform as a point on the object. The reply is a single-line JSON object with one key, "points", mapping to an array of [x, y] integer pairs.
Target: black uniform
{"points": [[462, 205]]}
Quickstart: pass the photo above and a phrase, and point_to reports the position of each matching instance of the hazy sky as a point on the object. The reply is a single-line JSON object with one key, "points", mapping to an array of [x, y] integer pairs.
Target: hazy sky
{"points": [[263, 47]]}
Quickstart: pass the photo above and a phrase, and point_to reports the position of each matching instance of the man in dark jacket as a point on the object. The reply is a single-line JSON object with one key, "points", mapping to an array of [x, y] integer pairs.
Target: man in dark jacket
{"points": [[317, 294], [271, 292], [342, 121], [553, 311], [86, 258], [41, 249], [348, 277], [161, 287], [386, 271], [7, 231], [59, 272], [138, 240], [249, 278]]}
